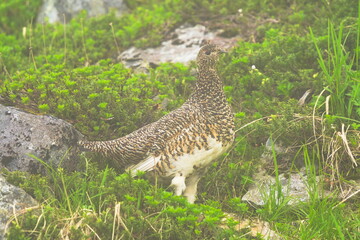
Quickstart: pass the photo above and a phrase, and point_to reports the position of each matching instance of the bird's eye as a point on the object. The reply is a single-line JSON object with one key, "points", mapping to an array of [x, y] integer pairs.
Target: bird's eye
{"points": [[208, 52]]}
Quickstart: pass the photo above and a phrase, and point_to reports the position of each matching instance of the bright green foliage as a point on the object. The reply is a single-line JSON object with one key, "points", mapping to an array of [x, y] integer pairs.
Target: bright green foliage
{"points": [[91, 40], [104, 99], [108, 202], [342, 80], [71, 71], [278, 67], [85, 41]]}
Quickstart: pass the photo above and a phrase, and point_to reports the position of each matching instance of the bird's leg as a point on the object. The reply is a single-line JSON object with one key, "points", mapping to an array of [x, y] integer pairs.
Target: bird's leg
{"points": [[178, 182], [191, 187]]}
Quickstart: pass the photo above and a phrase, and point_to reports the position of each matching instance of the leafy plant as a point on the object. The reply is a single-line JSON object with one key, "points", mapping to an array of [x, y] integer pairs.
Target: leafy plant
{"points": [[99, 99], [342, 84], [103, 204], [16, 14]]}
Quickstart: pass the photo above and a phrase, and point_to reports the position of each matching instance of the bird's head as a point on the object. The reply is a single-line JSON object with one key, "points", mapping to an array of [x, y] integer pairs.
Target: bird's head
{"points": [[208, 56]]}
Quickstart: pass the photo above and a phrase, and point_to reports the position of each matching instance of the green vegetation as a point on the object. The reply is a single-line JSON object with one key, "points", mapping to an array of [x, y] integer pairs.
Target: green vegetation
{"points": [[107, 205], [340, 73], [105, 99], [16, 14], [288, 47]]}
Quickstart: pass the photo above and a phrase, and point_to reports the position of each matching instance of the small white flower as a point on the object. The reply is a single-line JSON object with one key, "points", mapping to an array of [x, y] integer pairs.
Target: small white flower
{"points": [[240, 10], [253, 67]]}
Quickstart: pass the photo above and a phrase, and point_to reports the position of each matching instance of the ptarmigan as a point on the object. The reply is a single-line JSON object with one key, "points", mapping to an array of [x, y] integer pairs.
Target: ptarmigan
{"points": [[182, 144]]}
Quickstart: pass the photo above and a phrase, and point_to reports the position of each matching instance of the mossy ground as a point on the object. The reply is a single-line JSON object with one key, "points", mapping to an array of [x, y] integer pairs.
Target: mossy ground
{"points": [[78, 79]]}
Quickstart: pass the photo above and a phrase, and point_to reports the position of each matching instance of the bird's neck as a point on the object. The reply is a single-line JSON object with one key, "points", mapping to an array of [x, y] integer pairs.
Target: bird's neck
{"points": [[209, 86]]}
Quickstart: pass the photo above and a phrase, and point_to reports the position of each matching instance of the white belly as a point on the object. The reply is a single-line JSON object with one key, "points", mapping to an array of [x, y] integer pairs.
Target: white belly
{"points": [[199, 158], [186, 163]]}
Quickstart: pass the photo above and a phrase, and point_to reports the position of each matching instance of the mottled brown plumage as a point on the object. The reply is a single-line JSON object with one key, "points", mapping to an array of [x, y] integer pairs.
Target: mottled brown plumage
{"points": [[180, 145]]}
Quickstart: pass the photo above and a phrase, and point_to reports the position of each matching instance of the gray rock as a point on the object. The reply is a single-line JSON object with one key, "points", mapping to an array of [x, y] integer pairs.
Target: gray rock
{"points": [[182, 47], [55, 10], [294, 187], [48, 138], [12, 201]]}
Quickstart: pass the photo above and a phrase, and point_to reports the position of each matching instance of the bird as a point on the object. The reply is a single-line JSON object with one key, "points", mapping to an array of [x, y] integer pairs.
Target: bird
{"points": [[181, 145]]}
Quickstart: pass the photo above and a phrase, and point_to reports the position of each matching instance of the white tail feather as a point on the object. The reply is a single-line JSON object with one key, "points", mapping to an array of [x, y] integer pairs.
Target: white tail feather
{"points": [[145, 166]]}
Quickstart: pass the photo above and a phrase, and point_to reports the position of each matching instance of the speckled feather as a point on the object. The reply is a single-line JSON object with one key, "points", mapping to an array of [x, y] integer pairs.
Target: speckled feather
{"points": [[202, 127]]}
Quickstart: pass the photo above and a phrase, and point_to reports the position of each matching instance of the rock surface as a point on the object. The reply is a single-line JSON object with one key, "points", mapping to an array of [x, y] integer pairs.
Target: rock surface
{"points": [[182, 47], [294, 187], [48, 138], [55, 10], [12, 201]]}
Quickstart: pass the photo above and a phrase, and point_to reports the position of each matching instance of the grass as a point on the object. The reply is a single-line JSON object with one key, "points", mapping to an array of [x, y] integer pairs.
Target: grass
{"points": [[77, 79], [105, 205], [339, 74], [324, 217]]}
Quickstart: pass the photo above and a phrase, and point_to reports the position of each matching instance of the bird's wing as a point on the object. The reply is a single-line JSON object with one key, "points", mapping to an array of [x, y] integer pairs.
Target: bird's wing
{"points": [[170, 131]]}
